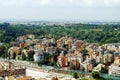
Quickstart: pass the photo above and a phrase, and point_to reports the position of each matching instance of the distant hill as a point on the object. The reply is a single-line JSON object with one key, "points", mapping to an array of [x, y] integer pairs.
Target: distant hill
{"points": [[91, 32]]}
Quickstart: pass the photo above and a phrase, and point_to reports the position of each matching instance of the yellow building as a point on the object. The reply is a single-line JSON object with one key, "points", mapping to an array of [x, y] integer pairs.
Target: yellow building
{"points": [[24, 78], [117, 60]]}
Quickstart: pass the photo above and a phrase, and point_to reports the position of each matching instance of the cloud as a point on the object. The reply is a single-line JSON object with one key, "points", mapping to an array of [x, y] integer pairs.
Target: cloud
{"points": [[48, 9], [44, 2], [84, 3], [88, 3], [24, 2]]}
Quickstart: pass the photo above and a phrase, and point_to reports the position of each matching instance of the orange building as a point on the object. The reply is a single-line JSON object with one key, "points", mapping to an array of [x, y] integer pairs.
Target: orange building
{"points": [[22, 45], [63, 61], [76, 64]]}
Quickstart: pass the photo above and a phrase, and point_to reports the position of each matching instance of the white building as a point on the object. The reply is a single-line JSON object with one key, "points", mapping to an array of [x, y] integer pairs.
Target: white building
{"points": [[38, 55], [98, 67], [114, 69]]}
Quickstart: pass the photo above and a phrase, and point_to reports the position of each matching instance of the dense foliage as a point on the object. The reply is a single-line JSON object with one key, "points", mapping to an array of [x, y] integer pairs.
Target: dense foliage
{"points": [[30, 55], [88, 32], [96, 75], [75, 75], [49, 59], [3, 52]]}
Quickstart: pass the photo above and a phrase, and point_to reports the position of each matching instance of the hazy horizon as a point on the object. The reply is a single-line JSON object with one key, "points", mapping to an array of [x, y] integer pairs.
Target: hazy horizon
{"points": [[68, 10]]}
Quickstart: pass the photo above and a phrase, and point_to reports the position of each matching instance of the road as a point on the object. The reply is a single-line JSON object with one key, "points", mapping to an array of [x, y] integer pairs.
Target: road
{"points": [[28, 64]]}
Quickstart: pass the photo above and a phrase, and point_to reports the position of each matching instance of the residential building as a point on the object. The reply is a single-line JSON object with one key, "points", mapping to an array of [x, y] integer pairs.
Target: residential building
{"points": [[13, 50], [38, 56], [114, 69], [30, 36], [24, 78], [75, 63], [25, 51], [107, 58], [50, 50], [117, 60], [98, 67], [62, 60]]}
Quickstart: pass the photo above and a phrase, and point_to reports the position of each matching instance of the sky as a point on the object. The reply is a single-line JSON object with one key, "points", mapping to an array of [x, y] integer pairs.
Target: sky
{"points": [[83, 10]]}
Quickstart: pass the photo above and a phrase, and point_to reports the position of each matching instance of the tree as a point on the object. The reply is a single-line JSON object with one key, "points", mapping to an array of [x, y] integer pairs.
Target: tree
{"points": [[42, 61], [72, 67], [109, 78], [95, 74], [23, 56], [14, 56], [30, 55], [75, 75], [83, 78], [2, 51], [103, 70], [85, 51], [55, 55]]}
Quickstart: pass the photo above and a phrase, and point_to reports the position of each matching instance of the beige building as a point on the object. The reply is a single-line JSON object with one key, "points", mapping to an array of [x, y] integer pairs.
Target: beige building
{"points": [[6, 65], [50, 50], [13, 50], [24, 51], [31, 36], [106, 58]]}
